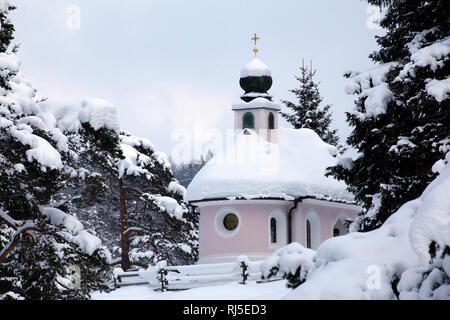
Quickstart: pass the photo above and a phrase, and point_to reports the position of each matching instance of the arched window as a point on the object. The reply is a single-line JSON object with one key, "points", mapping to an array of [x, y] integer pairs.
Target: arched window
{"points": [[248, 121], [308, 234], [273, 230], [271, 121], [336, 232], [341, 227]]}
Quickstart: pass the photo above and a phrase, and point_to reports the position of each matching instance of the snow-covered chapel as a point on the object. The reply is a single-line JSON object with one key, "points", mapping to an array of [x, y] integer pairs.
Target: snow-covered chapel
{"points": [[267, 186]]}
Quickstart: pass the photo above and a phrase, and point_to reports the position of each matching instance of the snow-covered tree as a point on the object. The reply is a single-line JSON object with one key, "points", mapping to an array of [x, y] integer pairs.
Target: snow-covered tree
{"points": [[184, 172], [401, 119], [40, 247], [292, 262], [53, 257], [309, 113], [94, 156], [123, 189], [156, 224]]}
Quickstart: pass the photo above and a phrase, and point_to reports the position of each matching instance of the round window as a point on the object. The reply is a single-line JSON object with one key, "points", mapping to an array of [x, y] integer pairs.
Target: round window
{"points": [[230, 221]]}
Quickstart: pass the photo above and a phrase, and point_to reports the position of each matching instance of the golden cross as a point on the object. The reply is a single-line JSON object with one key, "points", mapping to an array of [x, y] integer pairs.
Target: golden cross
{"points": [[255, 38]]}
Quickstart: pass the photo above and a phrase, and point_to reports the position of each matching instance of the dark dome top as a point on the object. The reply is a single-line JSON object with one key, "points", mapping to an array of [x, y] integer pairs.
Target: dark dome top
{"points": [[256, 80], [256, 84]]}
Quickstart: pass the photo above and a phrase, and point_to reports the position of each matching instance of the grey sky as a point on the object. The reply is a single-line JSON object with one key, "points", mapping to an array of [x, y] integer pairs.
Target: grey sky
{"points": [[166, 64]]}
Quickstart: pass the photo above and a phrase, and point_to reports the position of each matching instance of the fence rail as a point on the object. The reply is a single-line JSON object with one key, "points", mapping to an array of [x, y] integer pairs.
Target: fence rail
{"points": [[163, 277]]}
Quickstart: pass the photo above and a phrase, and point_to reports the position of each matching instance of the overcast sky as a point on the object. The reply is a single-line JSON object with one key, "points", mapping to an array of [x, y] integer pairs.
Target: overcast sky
{"points": [[170, 65]]}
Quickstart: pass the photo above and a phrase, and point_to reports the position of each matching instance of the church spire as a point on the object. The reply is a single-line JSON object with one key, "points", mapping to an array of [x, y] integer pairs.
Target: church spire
{"points": [[256, 78]]}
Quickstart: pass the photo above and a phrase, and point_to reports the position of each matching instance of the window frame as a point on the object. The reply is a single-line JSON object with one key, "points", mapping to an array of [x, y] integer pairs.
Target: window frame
{"points": [[273, 230], [271, 121], [308, 234], [248, 113]]}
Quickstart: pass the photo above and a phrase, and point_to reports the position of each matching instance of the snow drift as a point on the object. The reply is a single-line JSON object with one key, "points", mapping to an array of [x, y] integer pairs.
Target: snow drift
{"points": [[391, 262]]}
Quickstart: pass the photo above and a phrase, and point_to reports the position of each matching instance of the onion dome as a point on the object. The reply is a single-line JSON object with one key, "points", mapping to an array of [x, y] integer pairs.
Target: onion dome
{"points": [[256, 80]]}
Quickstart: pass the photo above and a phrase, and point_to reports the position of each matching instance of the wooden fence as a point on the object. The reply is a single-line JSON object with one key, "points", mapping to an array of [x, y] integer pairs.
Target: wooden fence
{"points": [[162, 277]]}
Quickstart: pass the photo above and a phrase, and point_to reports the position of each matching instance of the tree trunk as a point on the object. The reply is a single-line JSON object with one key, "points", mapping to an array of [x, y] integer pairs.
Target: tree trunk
{"points": [[123, 227]]}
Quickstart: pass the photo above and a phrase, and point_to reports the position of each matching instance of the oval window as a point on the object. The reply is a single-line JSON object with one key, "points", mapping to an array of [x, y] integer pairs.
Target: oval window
{"points": [[230, 221]]}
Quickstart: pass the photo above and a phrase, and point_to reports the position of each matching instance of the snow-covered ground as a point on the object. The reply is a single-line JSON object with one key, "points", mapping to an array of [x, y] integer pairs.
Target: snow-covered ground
{"points": [[232, 291]]}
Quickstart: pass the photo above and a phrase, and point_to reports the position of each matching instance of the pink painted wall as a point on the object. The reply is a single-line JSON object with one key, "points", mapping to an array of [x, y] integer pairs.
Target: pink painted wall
{"points": [[240, 113], [253, 233], [326, 213], [261, 122], [252, 236]]}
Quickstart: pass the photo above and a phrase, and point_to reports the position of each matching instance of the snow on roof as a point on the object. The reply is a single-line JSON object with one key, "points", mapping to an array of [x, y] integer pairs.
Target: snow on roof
{"points": [[256, 103], [250, 168], [255, 68]]}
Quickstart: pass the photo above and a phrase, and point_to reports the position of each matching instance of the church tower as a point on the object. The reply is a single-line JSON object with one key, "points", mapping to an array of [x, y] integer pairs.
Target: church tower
{"points": [[256, 110]]}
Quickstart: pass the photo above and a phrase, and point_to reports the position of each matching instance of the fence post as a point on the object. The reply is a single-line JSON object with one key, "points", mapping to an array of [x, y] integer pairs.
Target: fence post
{"points": [[162, 278], [244, 273]]}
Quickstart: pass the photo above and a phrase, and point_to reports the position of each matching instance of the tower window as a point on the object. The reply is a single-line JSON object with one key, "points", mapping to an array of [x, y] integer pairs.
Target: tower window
{"points": [[271, 121], [248, 121], [273, 230], [308, 234]]}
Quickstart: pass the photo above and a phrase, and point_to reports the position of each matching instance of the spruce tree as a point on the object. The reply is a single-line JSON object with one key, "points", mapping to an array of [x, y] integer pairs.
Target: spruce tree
{"points": [[184, 172], [155, 222], [39, 245], [401, 118], [309, 113]]}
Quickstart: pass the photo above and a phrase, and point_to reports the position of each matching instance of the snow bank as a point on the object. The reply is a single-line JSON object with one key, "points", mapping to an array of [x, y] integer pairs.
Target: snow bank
{"points": [[255, 68], [366, 265], [345, 265], [432, 222], [250, 167], [286, 260]]}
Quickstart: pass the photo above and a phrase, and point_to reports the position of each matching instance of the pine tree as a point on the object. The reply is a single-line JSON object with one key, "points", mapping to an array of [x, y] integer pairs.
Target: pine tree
{"points": [[184, 172], [39, 245], [88, 196], [402, 116], [155, 222], [308, 113]]}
